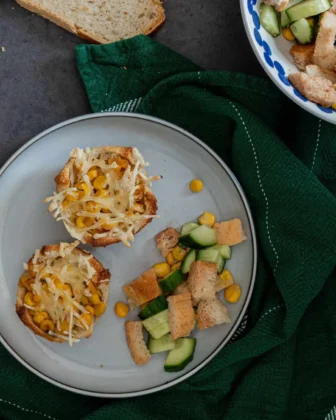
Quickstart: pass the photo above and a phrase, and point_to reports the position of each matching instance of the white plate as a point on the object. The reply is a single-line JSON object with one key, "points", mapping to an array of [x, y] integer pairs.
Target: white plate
{"points": [[273, 54], [101, 366]]}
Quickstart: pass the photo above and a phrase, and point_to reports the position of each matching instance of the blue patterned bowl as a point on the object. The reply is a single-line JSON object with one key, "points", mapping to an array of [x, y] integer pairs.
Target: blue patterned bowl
{"points": [[273, 54]]}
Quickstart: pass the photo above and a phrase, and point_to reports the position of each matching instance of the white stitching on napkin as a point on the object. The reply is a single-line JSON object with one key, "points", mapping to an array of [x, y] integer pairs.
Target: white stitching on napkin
{"points": [[271, 310], [26, 409], [128, 106], [332, 414], [317, 144], [261, 186]]}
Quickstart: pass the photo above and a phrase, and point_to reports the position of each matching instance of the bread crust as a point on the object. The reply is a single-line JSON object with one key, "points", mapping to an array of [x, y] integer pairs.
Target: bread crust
{"points": [[62, 181], [136, 342], [143, 289], [26, 317], [80, 32]]}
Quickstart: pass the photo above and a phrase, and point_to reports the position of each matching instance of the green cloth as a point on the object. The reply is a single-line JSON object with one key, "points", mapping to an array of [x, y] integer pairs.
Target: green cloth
{"points": [[283, 364]]}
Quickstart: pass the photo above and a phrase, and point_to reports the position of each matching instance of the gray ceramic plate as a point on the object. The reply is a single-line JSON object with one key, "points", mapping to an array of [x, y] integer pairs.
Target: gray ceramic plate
{"points": [[101, 366]]}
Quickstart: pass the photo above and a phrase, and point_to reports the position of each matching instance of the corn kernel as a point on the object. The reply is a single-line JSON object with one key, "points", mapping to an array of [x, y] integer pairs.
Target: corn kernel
{"points": [[86, 319], [207, 219], [121, 309], [47, 325], [40, 316], [108, 225], [92, 207], [232, 293], [101, 193], [176, 266], [90, 309], [226, 278], [311, 21], [288, 34], [99, 293], [122, 162], [196, 185], [84, 300], [84, 190], [92, 174], [57, 282], [105, 211], [29, 299], [88, 221], [64, 326], [80, 221], [333, 106], [26, 281], [99, 309], [179, 253], [67, 289], [95, 298], [138, 208], [92, 287], [161, 270], [170, 259], [100, 182], [111, 160], [37, 298], [129, 214]]}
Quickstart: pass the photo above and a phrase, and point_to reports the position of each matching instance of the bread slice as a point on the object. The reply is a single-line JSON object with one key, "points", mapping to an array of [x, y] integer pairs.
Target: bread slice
{"points": [[211, 312], [230, 232], [202, 280], [101, 21], [181, 315], [136, 342], [143, 289], [167, 240]]}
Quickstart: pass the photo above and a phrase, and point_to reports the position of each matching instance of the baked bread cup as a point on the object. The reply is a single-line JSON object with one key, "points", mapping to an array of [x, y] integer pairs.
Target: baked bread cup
{"points": [[104, 195], [62, 293]]}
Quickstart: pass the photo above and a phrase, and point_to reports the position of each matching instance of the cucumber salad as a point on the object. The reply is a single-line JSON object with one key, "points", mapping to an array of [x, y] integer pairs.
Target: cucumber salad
{"points": [[182, 293], [311, 25]]}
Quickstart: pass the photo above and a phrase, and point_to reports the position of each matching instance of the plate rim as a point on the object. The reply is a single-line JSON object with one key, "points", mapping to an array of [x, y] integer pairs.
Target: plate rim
{"points": [[241, 193]]}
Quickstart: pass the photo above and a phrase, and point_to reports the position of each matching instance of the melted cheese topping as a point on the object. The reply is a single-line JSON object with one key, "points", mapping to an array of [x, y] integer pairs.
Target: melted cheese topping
{"points": [[125, 188], [52, 271]]}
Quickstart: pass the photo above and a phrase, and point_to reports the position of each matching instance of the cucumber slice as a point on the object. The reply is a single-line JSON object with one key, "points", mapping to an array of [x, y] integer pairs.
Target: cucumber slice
{"points": [[154, 307], [160, 330], [165, 343], [269, 19], [188, 227], [224, 250], [208, 255], [220, 264], [170, 282], [284, 19], [201, 237], [303, 31], [306, 9], [181, 355], [188, 260], [155, 320]]}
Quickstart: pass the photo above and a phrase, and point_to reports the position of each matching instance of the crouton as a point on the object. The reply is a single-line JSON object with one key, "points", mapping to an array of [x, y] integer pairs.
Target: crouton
{"points": [[167, 240], [181, 315], [325, 53], [279, 5], [202, 280], [183, 288], [302, 55], [313, 70], [211, 312], [136, 342], [143, 289], [230, 232], [316, 89]]}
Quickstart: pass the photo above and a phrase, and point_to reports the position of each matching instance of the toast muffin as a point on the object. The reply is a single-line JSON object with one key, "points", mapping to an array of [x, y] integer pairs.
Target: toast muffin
{"points": [[103, 195], [62, 293]]}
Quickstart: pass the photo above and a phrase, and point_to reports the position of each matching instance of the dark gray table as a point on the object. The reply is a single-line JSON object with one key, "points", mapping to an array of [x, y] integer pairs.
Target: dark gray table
{"points": [[39, 84]]}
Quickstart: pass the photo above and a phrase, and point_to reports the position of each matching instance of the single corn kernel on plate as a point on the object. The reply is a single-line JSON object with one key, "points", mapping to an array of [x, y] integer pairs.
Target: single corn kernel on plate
{"points": [[101, 366]]}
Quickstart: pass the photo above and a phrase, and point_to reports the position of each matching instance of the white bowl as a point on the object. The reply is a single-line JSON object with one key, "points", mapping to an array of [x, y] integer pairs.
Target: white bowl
{"points": [[273, 54]]}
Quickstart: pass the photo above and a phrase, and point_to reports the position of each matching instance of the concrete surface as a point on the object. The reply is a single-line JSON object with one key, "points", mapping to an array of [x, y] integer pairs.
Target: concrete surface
{"points": [[39, 84]]}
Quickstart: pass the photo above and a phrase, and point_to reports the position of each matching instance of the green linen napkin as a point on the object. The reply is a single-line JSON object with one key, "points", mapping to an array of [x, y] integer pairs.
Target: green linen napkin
{"points": [[282, 365]]}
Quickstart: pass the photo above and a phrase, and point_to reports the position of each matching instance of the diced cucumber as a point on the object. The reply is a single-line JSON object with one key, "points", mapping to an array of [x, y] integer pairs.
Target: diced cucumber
{"points": [[160, 330], [155, 320], [269, 19], [188, 227], [188, 260], [307, 9], [201, 237], [170, 282], [181, 355], [154, 307], [284, 19], [303, 31], [224, 250], [165, 343], [208, 255], [220, 263]]}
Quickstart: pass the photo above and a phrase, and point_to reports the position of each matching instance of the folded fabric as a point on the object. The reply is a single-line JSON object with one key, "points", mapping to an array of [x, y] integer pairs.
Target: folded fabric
{"points": [[282, 363]]}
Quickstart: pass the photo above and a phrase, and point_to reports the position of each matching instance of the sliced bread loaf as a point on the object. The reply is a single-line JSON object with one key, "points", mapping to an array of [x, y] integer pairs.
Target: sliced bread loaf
{"points": [[101, 21]]}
